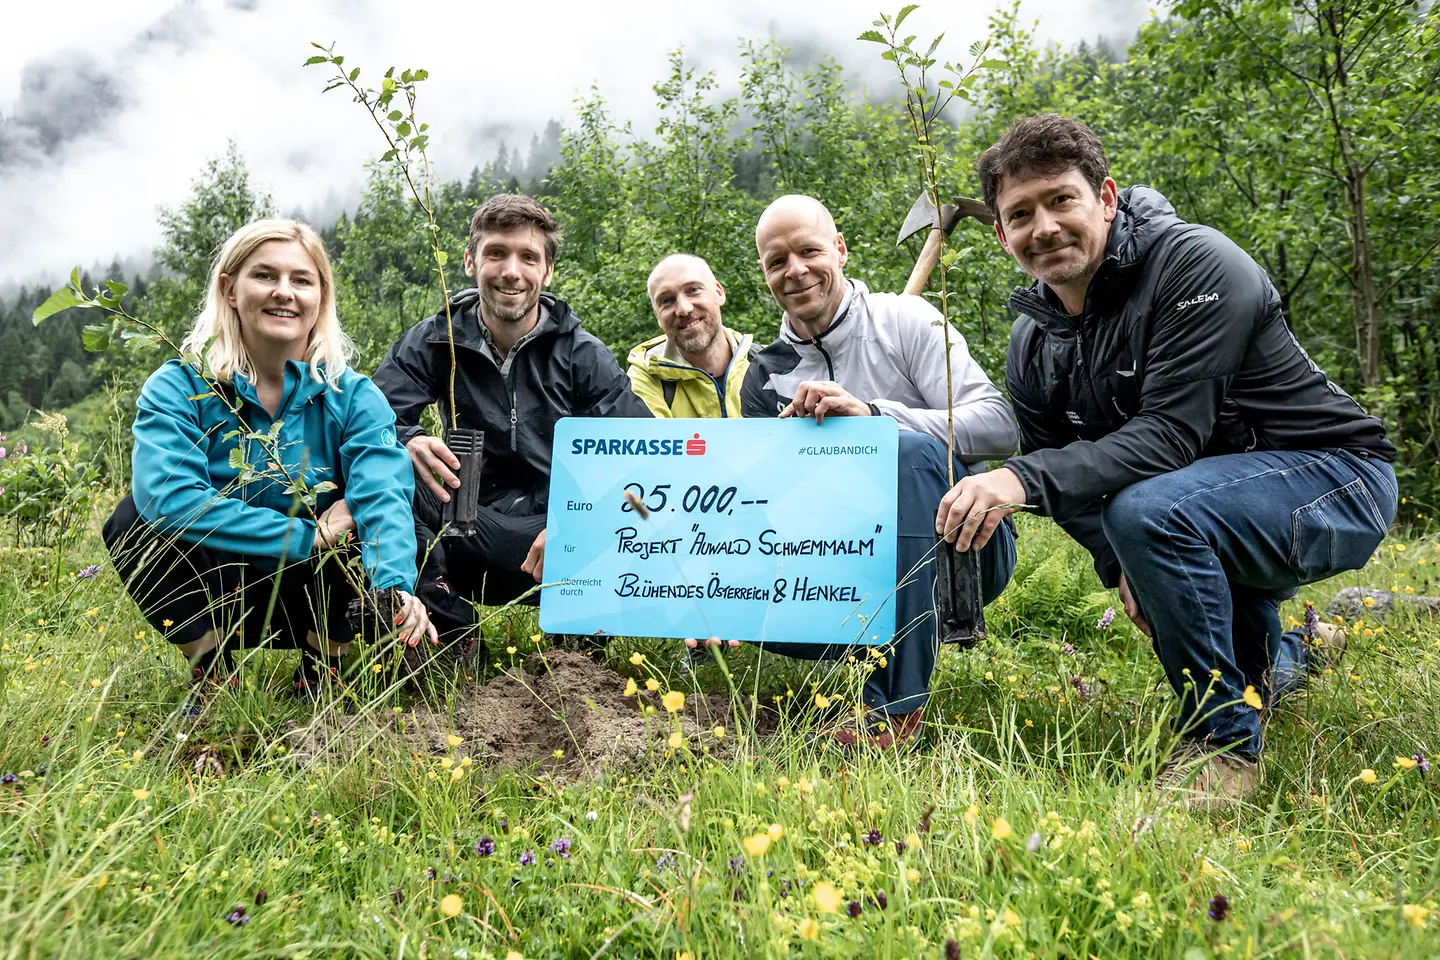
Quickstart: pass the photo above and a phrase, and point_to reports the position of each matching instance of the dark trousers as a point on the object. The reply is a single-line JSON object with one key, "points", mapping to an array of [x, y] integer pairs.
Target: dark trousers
{"points": [[185, 589], [903, 684], [1210, 551], [483, 568]]}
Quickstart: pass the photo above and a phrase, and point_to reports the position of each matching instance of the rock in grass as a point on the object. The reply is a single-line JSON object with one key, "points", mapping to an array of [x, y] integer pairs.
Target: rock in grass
{"points": [[1350, 604]]}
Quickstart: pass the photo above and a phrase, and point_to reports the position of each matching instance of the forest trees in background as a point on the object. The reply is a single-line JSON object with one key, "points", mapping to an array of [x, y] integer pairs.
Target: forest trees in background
{"points": [[1304, 129]]}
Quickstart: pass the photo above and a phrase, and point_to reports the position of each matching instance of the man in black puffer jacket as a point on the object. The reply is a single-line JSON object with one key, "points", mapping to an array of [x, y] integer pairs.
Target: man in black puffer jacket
{"points": [[1171, 423], [522, 363]]}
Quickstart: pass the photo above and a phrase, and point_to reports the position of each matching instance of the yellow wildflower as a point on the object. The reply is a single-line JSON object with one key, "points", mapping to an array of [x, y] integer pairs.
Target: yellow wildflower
{"points": [[1012, 919], [821, 701], [451, 905], [677, 740], [631, 688], [1405, 763], [809, 929], [756, 845], [1000, 829], [1252, 697], [719, 733], [1414, 914], [510, 650], [637, 658], [913, 876], [652, 684], [1369, 601], [454, 740], [971, 815], [775, 832], [457, 774], [1368, 775], [447, 762], [141, 794], [826, 897], [673, 701]]}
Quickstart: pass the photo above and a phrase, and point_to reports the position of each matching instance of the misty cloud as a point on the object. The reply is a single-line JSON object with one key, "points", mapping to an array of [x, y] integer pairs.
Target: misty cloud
{"points": [[111, 110]]}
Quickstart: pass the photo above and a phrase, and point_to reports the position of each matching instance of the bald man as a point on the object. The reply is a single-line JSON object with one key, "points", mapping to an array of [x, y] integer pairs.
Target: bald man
{"points": [[696, 366], [846, 352]]}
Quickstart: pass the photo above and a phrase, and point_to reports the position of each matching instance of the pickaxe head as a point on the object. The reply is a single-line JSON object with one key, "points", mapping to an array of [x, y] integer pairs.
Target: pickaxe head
{"points": [[924, 216]]}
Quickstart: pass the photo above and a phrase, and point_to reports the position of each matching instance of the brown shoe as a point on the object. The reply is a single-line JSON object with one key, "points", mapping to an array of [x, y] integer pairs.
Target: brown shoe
{"points": [[876, 731], [1208, 781], [1328, 644]]}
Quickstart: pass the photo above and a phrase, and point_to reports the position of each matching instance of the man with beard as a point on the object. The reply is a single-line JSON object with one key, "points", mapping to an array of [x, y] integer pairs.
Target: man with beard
{"points": [[522, 363], [846, 352], [695, 367], [1171, 423]]}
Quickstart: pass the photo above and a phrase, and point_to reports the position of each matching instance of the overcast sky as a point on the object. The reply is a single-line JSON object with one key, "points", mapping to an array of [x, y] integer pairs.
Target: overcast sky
{"points": [[109, 109]]}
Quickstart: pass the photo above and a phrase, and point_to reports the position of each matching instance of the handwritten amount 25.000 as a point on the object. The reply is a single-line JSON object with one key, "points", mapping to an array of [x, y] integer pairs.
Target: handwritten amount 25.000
{"points": [[712, 499]]}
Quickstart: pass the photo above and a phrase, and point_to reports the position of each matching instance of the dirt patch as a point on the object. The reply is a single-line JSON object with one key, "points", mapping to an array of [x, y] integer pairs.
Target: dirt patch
{"points": [[563, 714]]}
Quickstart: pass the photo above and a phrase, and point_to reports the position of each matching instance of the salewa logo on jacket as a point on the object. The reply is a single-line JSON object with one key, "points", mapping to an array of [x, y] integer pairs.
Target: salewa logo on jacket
{"points": [[1203, 298]]}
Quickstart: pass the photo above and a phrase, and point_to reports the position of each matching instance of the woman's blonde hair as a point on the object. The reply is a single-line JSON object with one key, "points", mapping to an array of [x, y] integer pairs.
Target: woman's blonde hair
{"points": [[219, 321]]}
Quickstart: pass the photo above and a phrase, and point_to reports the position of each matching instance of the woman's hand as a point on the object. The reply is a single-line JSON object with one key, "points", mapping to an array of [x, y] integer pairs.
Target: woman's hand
{"points": [[334, 525], [415, 620]]}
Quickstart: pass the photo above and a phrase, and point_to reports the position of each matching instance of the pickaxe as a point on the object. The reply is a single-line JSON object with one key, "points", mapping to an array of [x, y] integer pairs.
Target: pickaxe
{"points": [[923, 215]]}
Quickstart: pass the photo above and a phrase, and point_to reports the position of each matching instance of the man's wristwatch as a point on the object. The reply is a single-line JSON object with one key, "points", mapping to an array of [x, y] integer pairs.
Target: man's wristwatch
{"points": [[875, 411]]}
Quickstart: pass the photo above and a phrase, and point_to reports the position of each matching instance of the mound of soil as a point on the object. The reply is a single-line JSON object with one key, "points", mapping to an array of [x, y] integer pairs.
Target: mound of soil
{"points": [[563, 714]]}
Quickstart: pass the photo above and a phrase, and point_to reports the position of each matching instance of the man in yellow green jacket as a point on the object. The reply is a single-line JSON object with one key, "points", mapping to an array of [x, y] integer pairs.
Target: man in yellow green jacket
{"points": [[695, 368]]}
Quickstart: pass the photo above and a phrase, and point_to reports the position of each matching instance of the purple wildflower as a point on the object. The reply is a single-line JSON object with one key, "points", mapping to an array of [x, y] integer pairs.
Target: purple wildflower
{"points": [[261, 897], [874, 837], [853, 908], [504, 825], [737, 866], [1032, 844], [89, 572], [1219, 907], [8, 778], [1312, 620], [527, 858], [880, 900], [397, 895], [1421, 764], [485, 847], [237, 917], [925, 818], [1068, 649], [561, 845], [900, 847], [430, 873], [1106, 618], [952, 949]]}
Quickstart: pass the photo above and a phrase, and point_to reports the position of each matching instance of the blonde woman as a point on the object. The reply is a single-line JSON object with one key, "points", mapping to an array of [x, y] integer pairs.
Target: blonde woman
{"points": [[214, 542]]}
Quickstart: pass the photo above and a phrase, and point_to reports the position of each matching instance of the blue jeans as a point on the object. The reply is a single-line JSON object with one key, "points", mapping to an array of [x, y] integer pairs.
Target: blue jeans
{"points": [[903, 684], [1210, 551]]}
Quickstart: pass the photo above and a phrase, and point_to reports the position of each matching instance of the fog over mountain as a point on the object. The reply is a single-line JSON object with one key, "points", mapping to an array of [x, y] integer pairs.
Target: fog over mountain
{"points": [[108, 110]]}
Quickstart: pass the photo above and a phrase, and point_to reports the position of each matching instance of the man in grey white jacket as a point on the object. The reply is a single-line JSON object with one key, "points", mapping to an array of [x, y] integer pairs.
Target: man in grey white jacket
{"points": [[844, 351]]}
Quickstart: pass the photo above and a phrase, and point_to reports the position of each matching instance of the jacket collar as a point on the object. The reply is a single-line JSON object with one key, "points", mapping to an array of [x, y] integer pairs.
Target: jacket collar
{"points": [[838, 330], [556, 318], [300, 386], [663, 359]]}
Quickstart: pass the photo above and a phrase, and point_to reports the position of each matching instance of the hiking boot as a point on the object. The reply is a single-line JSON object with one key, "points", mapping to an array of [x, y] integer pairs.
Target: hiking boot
{"points": [[208, 675], [1327, 647], [876, 730], [1208, 781]]}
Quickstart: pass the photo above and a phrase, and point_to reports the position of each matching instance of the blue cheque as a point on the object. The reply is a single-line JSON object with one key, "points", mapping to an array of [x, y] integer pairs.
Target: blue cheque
{"points": [[773, 530]]}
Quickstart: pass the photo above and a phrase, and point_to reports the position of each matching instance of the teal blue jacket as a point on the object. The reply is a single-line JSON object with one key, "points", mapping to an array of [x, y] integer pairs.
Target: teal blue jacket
{"points": [[186, 485]]}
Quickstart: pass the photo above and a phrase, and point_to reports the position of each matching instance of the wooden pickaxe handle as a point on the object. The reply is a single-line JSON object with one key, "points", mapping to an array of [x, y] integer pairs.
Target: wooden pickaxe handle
{"points": [[925, 266]]}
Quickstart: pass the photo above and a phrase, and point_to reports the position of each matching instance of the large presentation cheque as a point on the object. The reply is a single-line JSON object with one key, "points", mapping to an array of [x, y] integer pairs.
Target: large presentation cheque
{"points": [[773, 530]]}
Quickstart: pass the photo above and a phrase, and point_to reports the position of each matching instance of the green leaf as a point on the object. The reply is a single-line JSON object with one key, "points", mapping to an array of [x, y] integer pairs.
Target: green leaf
{"points": [[338, 61], [62, 299], [905, 11], [441, 257], [316, 59], [116, 288], [992, 64], [95, 338], [354, 74], [888, 55], [324, 486], [402, 129], [934, 44], [394, 115], [237, 459], [421, 75], [874, 36]]}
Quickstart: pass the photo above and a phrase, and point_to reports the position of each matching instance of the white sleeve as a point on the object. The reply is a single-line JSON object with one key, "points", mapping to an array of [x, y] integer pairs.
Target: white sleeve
{"points": [[984, 424]]}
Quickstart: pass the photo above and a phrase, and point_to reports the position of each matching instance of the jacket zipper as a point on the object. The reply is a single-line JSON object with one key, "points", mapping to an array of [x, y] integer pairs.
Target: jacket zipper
{"points": [[829, 364], [716, 383]]}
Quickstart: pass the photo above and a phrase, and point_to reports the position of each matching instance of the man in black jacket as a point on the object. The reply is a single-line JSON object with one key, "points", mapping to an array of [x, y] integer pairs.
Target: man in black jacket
{"points": [[1171, 423], [521, 363]]}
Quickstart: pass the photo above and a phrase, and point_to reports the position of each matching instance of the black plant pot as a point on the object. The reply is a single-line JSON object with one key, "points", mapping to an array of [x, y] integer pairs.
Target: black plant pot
{"points": [[957, 587], [458, 513], [372, 617]]}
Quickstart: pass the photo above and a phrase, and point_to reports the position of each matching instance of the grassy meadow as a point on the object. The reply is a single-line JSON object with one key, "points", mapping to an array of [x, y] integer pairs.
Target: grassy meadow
{"points": [[488, 817]]}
